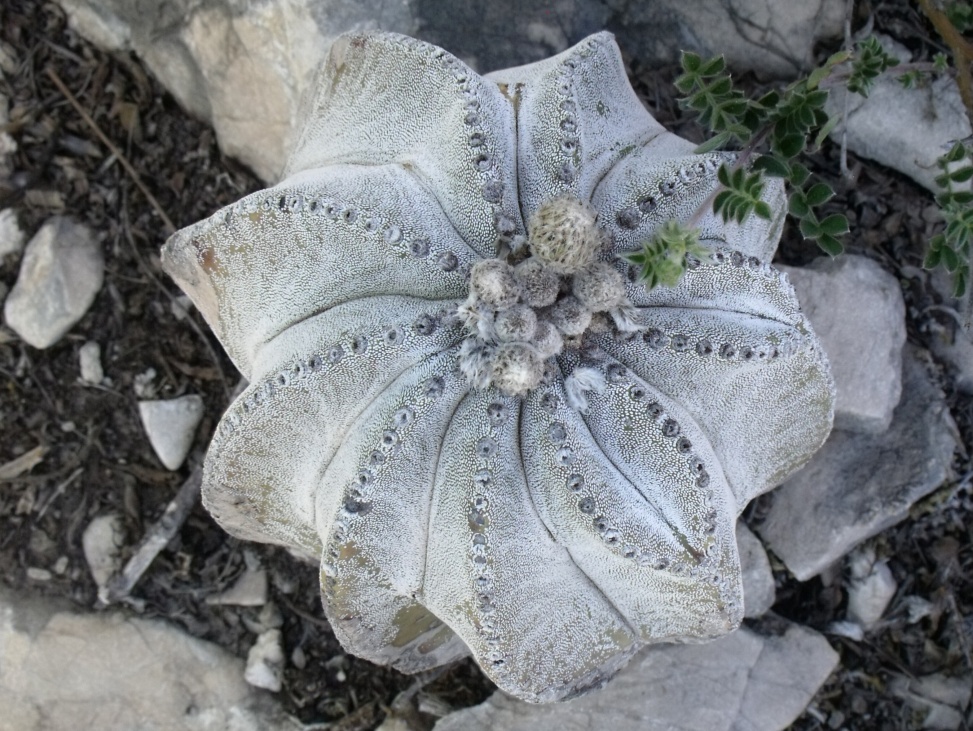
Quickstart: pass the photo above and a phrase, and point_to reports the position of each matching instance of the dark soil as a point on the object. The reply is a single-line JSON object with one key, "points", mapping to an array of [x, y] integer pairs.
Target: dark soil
{"points": [[98, 459]]}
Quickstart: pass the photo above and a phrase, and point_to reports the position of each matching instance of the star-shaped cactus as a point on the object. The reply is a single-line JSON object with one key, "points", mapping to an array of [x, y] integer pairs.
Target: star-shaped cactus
{"points": [[462, 403]]}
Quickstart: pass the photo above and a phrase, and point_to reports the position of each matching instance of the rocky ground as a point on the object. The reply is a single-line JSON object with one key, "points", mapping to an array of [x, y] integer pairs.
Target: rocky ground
{"points": [[74, 447]]}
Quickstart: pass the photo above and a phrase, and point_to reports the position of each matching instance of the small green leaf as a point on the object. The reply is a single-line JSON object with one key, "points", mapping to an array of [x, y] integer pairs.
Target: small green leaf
{"points": [[961, 175], [685, 85], [797, 205], [772, 166], [691, 61], [721, 200], [825, 130], [830, 245], [770, 99], [714, 143], [817, 76], [817, 99], [834, 225], [723, 175], [721, 86], [959, 284], [950, 259], [715, 65], [762, 209], [819, 194], [737, 178], [810, 229], [790, 145], [956, 153], [933, 258], [799, 174], [840, 57]]}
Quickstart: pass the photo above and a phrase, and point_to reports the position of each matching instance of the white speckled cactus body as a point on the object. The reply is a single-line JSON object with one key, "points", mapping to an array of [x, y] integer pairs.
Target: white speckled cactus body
{"points": [[490, 445]]}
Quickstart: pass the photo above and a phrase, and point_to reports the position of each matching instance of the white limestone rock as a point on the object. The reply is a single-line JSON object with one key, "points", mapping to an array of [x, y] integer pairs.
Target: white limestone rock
{"points": [[171, 426], [857, 311], [759, 591], [89, 361], [860, 484], [62, 671], [870, 589], [944, 699], [742, 682], [60, 275], [904, 129], [102, 541], [244, 65], [265, 662], [250, 588], [11, 237]]}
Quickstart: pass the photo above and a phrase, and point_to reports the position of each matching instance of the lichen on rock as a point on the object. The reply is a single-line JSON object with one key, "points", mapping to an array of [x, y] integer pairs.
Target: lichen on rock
{"points": [[463, 404]]}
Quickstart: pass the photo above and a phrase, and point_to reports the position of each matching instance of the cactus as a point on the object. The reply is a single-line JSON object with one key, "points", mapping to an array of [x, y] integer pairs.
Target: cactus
{"points": [[463, 402]]}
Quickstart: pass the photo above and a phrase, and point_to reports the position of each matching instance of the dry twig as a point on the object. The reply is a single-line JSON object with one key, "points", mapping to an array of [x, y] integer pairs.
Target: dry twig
{"points": [[961, 49], [167, 222], [154, 540]]}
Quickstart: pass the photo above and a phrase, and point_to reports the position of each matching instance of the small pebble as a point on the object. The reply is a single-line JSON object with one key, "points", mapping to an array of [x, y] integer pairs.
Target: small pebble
{"points": [[90, 359], [265, 662], [298, 658], [11, 237], [871, 588], [180, 307], [171, 427], [36, 574], [250, 588], [101, 541], [61, 272], [144, 385]]}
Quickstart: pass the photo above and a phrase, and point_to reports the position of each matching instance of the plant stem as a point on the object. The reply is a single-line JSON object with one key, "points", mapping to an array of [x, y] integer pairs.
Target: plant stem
{"points": [[961, 49]]}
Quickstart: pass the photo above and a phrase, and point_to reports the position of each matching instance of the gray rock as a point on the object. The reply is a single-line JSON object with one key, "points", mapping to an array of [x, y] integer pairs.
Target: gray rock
{"points": [[759, 592], [859, 484], [11, 237], [171, 426], [870, 589], [904, 129], [244, 64], [265, 662], [249, 590], [60, 274], [942, 698], [63, 671], [102, 541], [742, 682], [857, 311], [89, 358]]}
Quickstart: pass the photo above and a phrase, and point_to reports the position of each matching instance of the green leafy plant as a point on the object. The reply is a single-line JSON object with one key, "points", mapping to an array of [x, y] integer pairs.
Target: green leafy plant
{"points": [[772, 131], [951, 247], [960, 15], [870, 62]]}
